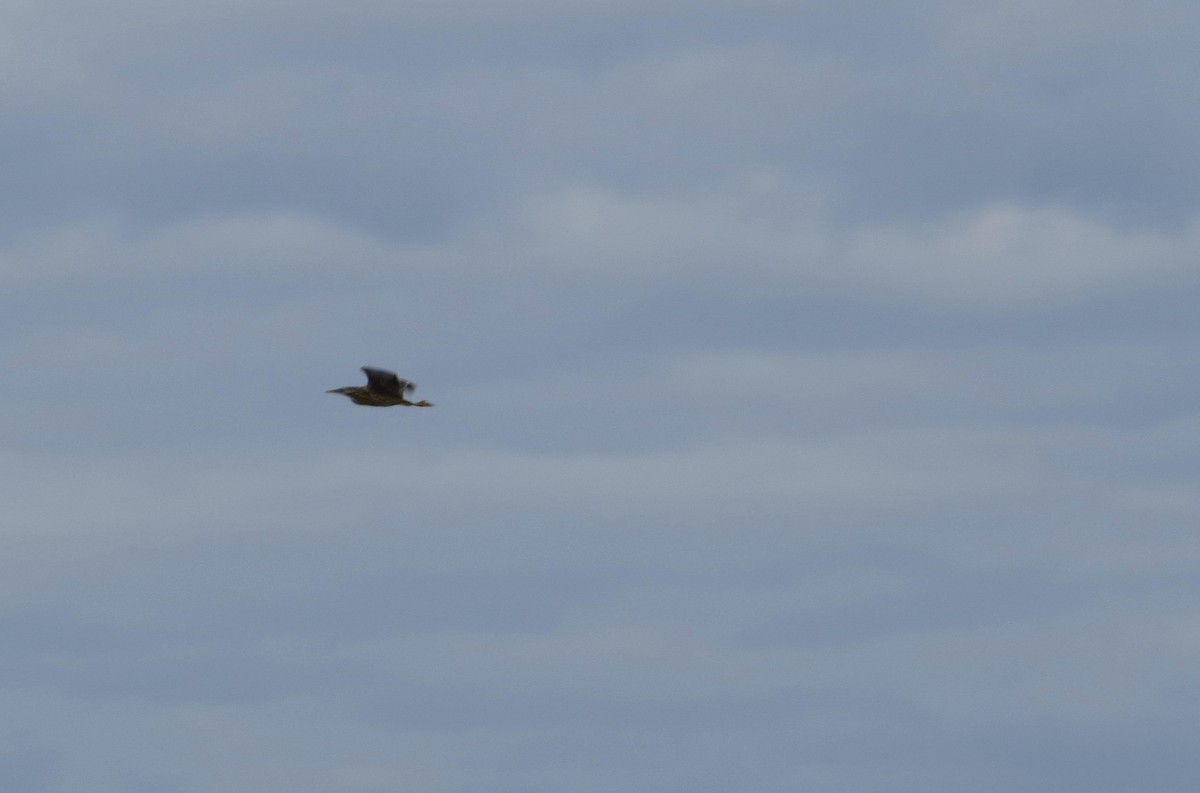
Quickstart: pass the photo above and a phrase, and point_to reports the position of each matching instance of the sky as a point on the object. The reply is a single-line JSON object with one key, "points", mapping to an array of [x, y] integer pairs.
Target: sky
{"points": [[816, 396]]}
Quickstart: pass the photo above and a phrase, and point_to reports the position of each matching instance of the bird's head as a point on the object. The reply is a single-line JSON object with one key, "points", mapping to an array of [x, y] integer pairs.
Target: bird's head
{"points": [[343, 390], [422, 404]]}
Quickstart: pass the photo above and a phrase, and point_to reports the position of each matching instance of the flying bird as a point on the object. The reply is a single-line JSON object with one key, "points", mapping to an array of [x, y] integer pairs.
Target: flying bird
{"points": [[383, 389]]}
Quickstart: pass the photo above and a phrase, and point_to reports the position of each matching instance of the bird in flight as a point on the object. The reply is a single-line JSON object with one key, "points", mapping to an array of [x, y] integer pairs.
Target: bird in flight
{"points": [[383, 389]]}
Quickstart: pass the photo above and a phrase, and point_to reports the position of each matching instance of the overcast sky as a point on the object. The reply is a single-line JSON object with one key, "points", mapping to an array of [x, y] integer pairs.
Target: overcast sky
{"points": [[816, 396]]}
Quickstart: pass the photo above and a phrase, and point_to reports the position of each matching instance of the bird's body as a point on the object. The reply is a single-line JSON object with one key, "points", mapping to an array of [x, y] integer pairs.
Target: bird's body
{"points": [[383, 389]]}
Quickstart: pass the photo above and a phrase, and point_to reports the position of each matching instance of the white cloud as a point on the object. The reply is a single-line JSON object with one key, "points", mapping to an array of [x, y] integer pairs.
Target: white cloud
{"points": [[752, 240], [1011, 256], [758, 238], [239, 248]]}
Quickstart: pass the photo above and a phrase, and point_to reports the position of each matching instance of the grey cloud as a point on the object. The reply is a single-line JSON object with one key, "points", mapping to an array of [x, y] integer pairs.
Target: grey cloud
{"points": [[961, 116], [815, 397]]}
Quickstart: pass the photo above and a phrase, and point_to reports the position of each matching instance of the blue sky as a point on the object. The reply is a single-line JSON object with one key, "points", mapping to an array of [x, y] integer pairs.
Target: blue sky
{"points": [[815, 383]]}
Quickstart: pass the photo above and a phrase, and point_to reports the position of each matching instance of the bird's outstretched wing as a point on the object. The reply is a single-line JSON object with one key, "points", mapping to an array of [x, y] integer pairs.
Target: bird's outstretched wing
{"points": [[385, 382]]}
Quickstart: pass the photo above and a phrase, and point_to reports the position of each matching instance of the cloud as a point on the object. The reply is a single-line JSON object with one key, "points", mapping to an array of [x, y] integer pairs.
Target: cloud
{"points": [[761, 237], [1001, 256], [814, 382], [412, 121], [755, 238]]}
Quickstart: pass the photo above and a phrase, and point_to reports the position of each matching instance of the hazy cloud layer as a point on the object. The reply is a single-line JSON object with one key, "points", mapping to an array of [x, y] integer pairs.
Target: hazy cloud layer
{"points": [[815, 385]]}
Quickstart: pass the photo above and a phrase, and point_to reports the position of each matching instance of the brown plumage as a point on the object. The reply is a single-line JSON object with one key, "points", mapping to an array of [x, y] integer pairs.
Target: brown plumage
{"points": [[383, 389]]}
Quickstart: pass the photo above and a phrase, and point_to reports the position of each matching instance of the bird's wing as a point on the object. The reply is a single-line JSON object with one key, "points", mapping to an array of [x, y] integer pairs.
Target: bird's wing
{"points": [[386, 382]]}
